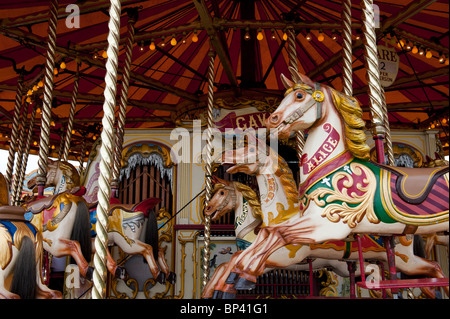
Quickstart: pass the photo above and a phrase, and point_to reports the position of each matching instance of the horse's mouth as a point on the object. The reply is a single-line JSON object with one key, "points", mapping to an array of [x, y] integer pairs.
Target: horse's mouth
{"points": [[214, 214]]}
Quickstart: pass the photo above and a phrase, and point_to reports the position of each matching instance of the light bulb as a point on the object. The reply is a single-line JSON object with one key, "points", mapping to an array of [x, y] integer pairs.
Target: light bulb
{"points": [[195, 37], [173, 41], [429, 54], [104, 54], [320, 37], [63, 65], [415, 49], [152, 46], [260, 35], [285, 36]]}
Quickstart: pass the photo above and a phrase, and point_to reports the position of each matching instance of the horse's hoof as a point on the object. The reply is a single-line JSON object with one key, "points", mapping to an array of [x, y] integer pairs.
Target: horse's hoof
{"points": [[228, 295], [217, 294], [89, 273], [232, 277], [161, 278], [244, 284], [172, 278], [121, 273]]}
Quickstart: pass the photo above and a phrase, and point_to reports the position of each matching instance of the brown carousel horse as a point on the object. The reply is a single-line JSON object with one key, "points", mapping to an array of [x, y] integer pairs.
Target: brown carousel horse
{"points": [[20, 254], [341, 192]]}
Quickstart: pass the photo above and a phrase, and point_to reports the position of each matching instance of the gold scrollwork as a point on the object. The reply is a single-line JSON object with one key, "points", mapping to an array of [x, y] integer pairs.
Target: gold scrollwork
{"points": [[363, 203], [146, 150]]}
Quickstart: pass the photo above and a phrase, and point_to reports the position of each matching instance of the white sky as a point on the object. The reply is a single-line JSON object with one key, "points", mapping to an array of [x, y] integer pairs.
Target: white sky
{"points": [[32, 163]]}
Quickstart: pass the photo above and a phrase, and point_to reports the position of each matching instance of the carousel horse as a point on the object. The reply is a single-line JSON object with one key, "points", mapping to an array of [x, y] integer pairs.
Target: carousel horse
{"points": [[341, 192], [332, 251], [125, 221], [20, 253]]}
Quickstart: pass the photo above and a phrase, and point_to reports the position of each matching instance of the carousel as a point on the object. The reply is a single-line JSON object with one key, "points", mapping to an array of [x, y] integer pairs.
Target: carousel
{"points": [[224, 149]]}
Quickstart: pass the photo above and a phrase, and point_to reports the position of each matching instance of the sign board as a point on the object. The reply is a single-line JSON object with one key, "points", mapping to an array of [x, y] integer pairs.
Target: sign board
{"points": [[388, 65]]}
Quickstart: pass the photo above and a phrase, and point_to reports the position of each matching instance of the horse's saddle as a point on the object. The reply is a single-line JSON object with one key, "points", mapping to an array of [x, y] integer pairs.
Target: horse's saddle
{"points": [[37, 206], [413, 185], [12, 213]]}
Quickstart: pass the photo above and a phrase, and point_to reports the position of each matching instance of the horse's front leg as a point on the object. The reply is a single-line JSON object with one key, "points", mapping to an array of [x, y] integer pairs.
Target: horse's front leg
{"points": [[208, 290], [224, 288], [162, 262], [64, 247]]}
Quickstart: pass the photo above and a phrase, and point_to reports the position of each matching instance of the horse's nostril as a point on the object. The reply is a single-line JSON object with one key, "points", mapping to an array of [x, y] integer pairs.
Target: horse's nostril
{"points": [[274, 118]]}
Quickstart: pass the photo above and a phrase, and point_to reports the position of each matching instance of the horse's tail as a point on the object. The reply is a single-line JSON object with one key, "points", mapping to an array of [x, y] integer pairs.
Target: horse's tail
{"points": [[419, 246], [81, 231], [24, 280], [151, 233]]}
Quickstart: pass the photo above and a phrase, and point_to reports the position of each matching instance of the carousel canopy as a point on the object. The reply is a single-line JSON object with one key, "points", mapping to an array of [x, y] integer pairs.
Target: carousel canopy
{"points": [[168, 79]]}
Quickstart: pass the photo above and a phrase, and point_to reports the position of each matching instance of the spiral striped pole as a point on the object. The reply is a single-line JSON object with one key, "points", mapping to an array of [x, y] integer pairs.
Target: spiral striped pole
{"points": [[292, 53], [48, 96], [347, 70], [16, 187], [123, 104], [209, 186], [373, 76], [106, 152], [24, 160], [73, 105], [15, 128], [387, 134]]}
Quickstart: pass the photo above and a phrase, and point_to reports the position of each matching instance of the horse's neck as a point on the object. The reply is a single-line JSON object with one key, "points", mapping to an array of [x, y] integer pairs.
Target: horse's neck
{"points": [[62, 185], [325, 143], [274, 198], [91, 182], [245, 221]]}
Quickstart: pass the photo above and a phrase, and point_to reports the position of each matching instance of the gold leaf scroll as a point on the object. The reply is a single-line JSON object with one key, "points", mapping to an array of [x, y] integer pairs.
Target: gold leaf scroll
{"points": [[348, 214]]}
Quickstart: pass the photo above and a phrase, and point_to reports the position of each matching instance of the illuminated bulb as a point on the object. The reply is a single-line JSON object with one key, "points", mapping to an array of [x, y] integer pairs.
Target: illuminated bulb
{"points": [[260, 35], [446, 144], [408, 46], [38, 110], [62, 65], [273, 34], [104, 54], [432, 125], [53, 147], [195, 37], [442, 59], [320, 37], [444, 121], [87, 152], [415, 49], [35, 88], [421, 51], [94, 137], [334, 35], [73, 131], [173, 41], [29, 92], [28, 99], [308, 36], [55, 71], [52, 123], [247, 35], [41, 83], [34, 143], [358, 36], [446, 61], [95, 56], [401, 43], [429, 54], [152, 46], [284, 36]]}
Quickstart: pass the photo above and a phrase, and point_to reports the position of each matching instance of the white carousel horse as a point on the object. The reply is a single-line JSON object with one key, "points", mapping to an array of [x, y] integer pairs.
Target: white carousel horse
{"points": [[125, 221], [277, 170], [20, 253], [341, 192]]}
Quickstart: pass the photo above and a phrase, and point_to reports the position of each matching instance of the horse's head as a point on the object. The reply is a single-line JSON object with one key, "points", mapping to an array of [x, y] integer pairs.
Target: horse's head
{"points": [[250, 159], [56, 170], [223, 200], [301, 107]]}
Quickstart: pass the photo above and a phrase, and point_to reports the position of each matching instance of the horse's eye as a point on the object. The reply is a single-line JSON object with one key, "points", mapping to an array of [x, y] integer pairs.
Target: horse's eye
{"points": [[299, 95], [222, 193], [252, 150]]}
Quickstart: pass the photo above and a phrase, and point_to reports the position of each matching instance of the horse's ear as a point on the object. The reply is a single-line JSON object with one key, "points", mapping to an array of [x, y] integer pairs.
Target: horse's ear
{"points": [[286, 82], [300, 78]]}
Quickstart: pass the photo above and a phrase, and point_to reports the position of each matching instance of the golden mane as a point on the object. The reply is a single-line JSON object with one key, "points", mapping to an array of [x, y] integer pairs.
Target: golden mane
{"points": [[251, 197], [287, 180], [355, 137]]}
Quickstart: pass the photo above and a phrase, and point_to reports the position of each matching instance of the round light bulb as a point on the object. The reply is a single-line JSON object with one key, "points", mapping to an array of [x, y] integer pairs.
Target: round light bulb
{"points": [[195, 37], [173, 41], [152, 46], [260, 36]]}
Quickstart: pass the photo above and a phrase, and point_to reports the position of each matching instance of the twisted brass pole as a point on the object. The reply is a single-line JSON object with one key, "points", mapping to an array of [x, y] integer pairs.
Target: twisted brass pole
{"points": [[20, 149], [123, 103], [48, 96], [207, 231], [347, 70], [15, 127], [292, 53], [373, 77], [387, 134], [73, 105], [106, 152], [26, 153]]}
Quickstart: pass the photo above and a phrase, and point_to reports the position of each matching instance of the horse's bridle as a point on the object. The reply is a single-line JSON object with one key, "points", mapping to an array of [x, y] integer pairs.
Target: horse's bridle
{"points": [[232, 196], [317, 99]]}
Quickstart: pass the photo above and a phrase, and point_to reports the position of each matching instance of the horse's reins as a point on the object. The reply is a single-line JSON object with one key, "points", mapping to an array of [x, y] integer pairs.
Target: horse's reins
{"points": [[317, 99]]}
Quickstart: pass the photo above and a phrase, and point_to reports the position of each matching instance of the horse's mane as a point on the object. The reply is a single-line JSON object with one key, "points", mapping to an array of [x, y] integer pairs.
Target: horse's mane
{"points": [[69, 170], [355, 137], [286, 177], [249, 195]]}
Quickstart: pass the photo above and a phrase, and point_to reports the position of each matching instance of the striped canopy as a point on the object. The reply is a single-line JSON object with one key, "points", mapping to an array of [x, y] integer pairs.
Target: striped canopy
{"points": [[168, 79]]}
